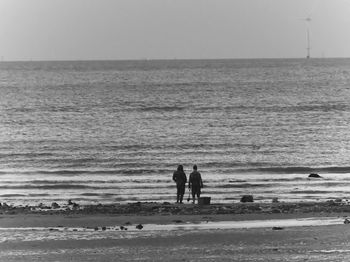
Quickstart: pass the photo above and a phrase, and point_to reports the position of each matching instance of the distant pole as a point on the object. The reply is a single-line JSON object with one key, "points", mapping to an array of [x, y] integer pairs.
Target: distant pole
{"points": [[308, 47], [308, 44]]}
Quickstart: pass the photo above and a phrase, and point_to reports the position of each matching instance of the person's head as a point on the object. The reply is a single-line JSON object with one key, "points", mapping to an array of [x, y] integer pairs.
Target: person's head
{"points": [[180, 168], [195, 167]]}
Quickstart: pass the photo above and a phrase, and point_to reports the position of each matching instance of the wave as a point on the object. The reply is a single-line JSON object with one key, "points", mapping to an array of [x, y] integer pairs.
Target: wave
{"points": [[274, 179], [310, 192], [87, 187], [90, 194], [160, 108], [279, 109], [221, 168], [308, 108], [66, 172], [296, 170], [68, 109], [23, 195], [246, 185], [60, 186], [100, 194], [30, 155], [87, 181], [12, 195]]}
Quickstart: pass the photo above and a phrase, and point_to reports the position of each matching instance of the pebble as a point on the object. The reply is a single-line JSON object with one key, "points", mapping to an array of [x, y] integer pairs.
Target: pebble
{"points": [[277, 228]]}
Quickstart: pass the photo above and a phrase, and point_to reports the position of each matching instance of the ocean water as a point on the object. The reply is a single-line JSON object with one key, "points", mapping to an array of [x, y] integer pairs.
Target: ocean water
{"points": [[115, 131]]}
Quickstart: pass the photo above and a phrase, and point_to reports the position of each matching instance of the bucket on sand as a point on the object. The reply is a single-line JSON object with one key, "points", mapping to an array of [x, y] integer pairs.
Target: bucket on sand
{"points": [[204, 200]]}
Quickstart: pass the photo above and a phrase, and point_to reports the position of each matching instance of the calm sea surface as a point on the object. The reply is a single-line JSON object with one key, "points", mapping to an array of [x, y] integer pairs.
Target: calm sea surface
{"points": [[114, 131]]}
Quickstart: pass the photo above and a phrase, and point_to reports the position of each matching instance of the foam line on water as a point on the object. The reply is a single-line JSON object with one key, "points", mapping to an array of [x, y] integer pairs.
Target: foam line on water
{"points": [[206, 225], [314, 221]]}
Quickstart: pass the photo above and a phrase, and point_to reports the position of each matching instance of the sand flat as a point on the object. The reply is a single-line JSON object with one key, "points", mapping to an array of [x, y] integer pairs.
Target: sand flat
{"points": [[79, 236], [324, 243]]}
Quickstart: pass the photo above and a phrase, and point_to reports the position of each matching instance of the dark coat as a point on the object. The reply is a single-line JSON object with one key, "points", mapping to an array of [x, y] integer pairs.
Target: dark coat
{"points": [[195, 180], [180, 178]]}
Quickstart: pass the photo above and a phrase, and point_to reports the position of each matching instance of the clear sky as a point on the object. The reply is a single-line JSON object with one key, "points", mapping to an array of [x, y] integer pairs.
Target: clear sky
{"points": [[167, 29]]}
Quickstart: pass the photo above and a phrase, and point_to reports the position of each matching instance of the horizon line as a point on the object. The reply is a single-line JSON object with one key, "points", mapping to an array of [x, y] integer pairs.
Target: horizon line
{"points": [[166, 59]]}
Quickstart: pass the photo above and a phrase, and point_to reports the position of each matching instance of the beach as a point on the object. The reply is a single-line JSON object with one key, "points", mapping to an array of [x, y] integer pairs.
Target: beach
{"points": [[174, 232]]}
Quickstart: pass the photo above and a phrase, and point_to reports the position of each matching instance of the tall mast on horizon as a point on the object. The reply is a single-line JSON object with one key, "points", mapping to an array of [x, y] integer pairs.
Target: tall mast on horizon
{"points": [[308, 48], [308, 44]]}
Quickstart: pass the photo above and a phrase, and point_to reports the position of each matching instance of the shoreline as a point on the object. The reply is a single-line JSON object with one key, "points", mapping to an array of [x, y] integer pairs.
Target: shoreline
{"points": [[163, 213], [93, 233]]}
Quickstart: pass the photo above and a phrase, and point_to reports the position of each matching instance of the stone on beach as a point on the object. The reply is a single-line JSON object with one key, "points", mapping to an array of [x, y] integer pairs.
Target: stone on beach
{"points": [[123, 228], [55, 205], [277, 228], [5, 206], [247, 198], [73, 204], [276, 210], [314, 175]]}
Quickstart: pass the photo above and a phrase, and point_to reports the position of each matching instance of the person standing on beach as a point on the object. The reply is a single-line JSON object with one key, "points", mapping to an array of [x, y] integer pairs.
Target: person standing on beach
{"points": [[195, 183], [180, 179]]}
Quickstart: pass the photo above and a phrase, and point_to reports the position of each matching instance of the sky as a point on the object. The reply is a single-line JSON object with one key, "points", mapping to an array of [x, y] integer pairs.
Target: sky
{"points": [[172, 29]]}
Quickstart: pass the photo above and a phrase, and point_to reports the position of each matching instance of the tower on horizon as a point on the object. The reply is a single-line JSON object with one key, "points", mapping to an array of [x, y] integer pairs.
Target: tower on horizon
{"points": [[308, 47]]}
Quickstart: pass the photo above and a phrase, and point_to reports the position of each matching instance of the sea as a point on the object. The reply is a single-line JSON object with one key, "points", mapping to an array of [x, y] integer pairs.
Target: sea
{"points": [[115, 131]]}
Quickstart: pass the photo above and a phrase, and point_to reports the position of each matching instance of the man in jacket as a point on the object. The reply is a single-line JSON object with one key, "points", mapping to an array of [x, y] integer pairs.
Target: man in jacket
{"points": [[195, 183]]}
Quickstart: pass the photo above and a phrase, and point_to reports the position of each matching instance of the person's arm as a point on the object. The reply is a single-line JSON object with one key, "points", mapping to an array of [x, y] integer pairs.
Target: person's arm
{"points": [[201, 181], [174, 177]]}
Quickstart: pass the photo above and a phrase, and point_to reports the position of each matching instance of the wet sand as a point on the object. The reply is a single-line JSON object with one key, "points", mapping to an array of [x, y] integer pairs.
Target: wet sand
{"points": [[280, 243]]}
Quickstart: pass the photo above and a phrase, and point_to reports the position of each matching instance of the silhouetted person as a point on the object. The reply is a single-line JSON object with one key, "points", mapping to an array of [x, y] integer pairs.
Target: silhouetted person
{"points": [[195, 183], [180, 178]]}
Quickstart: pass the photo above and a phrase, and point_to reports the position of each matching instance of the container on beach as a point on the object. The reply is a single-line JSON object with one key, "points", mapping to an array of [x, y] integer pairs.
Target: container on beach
{"points": [[204, 200]]}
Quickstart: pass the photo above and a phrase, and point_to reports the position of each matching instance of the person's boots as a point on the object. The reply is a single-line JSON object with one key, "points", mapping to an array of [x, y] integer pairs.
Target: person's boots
{"points": [[181, 198]]}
